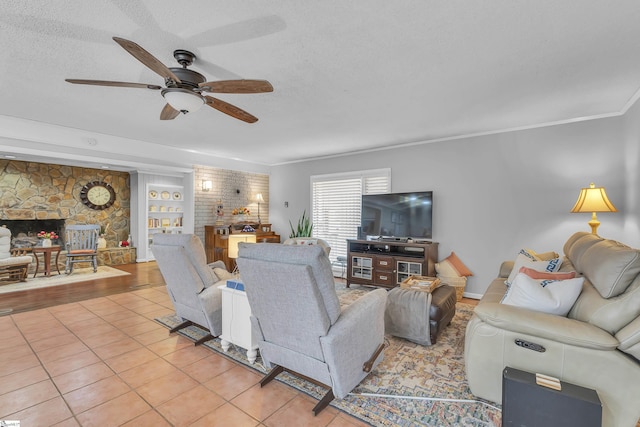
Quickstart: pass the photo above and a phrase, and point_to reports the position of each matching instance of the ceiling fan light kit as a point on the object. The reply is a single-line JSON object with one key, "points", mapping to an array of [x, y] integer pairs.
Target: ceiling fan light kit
{"points": [[184, 87], [183, 100]]}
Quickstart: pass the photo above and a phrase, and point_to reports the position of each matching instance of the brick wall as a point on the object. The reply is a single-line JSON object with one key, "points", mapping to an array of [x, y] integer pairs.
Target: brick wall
{"points": [[234, 189]]}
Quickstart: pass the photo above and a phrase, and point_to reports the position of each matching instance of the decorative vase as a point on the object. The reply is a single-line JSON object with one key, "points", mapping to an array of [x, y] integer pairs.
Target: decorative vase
{"points": [[239, 219], [102, 242], [46, 243]]}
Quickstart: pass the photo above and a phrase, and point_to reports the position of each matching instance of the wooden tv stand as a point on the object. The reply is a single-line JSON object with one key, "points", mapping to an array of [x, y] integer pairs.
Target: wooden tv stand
{"points": [[387, 263]]}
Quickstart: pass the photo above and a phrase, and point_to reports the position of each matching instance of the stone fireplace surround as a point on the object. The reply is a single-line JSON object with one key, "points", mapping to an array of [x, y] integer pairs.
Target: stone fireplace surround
{"points": [[24, 236], [33, 192], [24, 231]]}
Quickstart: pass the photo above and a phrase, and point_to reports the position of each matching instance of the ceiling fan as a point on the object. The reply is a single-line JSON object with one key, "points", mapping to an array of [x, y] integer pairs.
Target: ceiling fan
{"points": [[184, 87]]}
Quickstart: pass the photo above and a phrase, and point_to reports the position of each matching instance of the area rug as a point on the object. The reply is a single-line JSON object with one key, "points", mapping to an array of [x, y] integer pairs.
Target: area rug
{"points": [[413, 386], [78, 275]]}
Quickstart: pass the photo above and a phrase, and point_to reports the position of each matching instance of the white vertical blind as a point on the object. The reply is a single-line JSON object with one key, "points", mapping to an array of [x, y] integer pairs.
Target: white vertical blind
{"points": [[336, 202]]}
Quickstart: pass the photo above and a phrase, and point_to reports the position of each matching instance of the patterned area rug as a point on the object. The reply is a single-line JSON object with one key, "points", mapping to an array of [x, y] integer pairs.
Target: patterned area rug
{"points": [[402, 389]]}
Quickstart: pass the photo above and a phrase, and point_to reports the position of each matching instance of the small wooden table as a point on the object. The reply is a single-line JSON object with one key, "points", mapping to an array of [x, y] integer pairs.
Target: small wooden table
{"points": [[47, 258]]}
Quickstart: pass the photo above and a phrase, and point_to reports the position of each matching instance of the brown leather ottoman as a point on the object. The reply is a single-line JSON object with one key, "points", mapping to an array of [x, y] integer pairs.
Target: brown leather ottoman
{"points": [[408, 316], [443, 308]]}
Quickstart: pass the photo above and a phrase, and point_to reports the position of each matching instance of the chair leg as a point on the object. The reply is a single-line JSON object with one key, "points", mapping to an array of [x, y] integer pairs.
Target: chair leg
{"points": [[95, 264], [203, 339], [323, 403], [369, 363], [184, 324], [277, 369]]}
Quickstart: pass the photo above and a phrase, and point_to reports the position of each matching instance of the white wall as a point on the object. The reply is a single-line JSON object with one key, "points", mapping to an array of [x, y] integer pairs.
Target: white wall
{"points": [[495, 194]]}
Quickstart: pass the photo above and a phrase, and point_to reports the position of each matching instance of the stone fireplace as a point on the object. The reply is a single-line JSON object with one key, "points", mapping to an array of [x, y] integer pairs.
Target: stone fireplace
{"points": [[24, 231], [40, 196]]}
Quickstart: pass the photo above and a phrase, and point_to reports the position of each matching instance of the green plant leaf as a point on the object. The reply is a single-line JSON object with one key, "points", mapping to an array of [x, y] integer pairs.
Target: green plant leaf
{"points": [[304, 227]]}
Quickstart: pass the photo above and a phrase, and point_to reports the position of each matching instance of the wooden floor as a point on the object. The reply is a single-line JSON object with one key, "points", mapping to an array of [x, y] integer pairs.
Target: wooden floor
{"points": [[143, 275]]}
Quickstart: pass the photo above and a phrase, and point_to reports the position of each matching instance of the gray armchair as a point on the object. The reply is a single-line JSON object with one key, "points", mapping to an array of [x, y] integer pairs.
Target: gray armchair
{"points": [[191, 282], [297, 320]]}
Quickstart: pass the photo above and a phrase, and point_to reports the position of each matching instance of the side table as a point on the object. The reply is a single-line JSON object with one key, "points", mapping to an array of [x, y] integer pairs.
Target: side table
{"points": [[47, 258], [236, 322]]}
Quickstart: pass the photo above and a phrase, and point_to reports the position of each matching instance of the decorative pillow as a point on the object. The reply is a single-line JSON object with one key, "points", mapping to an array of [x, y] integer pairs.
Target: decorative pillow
{"points": [[546, 256], [547, 296], [222, 274], [452, 266], [541, 275], [527, 258]]}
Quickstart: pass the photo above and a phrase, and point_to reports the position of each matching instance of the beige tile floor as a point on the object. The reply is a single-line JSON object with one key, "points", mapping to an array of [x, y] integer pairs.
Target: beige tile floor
{"points": [[106, 362]]}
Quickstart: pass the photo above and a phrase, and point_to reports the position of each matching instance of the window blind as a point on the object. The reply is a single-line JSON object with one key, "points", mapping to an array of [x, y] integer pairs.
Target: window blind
{"points": [[336, 203]]}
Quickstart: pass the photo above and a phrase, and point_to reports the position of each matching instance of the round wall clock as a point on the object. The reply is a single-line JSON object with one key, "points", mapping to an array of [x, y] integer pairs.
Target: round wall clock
{"points": [[98, 195]]}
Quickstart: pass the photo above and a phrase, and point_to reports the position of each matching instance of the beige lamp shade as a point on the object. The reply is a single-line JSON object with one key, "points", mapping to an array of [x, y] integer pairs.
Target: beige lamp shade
{"points": [[593, 199], [234, 239]]}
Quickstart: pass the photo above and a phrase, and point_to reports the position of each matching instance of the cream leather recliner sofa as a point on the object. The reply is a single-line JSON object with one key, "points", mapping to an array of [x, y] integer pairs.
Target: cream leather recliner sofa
{"points": [[596, 346]]}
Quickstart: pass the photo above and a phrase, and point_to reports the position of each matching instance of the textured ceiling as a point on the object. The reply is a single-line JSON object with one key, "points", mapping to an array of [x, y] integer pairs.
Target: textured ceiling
{"points": [[348, 76]]}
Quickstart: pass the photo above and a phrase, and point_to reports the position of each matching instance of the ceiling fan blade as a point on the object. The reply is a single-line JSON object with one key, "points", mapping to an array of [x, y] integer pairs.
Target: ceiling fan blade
{"points": [[110, 83], [168, 113], [229, 109], [147, 59], [237, 86]]}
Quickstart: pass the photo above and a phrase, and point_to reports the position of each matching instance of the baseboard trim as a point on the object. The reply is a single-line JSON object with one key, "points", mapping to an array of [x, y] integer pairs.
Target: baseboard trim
{"points": [[472, 295]]}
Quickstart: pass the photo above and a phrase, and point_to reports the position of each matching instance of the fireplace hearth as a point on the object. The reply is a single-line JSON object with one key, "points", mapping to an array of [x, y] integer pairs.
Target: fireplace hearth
{"points": [[24, 232]]}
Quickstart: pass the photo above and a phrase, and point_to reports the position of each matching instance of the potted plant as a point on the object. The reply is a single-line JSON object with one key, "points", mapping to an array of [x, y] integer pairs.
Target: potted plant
{"points": [[304, 227]]}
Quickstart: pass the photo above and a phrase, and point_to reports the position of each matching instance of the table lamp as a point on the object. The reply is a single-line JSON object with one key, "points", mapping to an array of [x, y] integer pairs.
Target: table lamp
{"points": [[259, 199], [593, 199], [232, 249]]}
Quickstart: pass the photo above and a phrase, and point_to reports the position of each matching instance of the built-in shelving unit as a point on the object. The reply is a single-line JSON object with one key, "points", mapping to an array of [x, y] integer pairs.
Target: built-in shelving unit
{"points": [[165, 210], [160, 204]]}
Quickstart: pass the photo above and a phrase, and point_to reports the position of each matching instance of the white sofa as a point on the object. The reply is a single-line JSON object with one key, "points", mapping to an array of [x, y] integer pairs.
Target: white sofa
{"points": [[596, 346]]}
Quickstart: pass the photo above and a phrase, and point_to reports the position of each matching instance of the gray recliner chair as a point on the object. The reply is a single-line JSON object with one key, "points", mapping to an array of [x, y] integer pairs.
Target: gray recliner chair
{"points": [[191, 282], [297, 320]]}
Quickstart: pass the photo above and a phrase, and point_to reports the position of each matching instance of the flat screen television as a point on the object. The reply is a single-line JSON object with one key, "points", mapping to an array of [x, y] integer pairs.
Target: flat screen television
{"points": [[397, 216]]}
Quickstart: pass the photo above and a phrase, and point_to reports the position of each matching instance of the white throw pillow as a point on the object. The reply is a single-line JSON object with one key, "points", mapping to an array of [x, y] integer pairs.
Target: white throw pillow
{"points": [[548, 296], [527, 259]]}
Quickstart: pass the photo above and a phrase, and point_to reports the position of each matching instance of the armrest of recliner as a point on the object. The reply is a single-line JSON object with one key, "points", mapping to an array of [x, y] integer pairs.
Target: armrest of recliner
{"points": [[217, 264], [353, 339], [505, 268], [543, 325]]}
